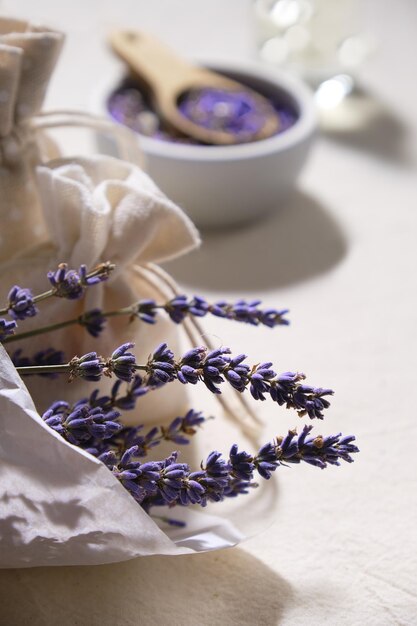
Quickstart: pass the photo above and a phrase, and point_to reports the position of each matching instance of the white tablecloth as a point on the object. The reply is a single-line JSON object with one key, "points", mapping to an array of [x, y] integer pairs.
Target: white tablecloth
{"points": [[342, 256]]}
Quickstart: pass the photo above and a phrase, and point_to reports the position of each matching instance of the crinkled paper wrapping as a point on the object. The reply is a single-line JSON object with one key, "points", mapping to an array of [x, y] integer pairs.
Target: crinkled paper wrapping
{"points": [[61, 506]]}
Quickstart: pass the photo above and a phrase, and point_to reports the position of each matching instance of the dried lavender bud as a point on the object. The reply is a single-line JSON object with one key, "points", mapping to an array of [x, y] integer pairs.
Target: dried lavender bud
{"points": [[7, 328], [213, 368], [135, 390], [83, 423], [241, 463], [89, 367], [146, 311], [66, 283], [179, 307], [318, 451], [122, 363], [93, 321], [21, 303], [71, 284], [286, 389], [249, 313], [170, 482], [160, 368]]}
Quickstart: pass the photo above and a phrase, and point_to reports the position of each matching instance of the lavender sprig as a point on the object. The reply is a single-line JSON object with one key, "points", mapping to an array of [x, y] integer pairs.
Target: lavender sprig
{"points": [[98, 410], [178, 431], [213, 368], [147, 310], [170, 482], [7, 328], [181, 306], [65, 284], [71, 284]]}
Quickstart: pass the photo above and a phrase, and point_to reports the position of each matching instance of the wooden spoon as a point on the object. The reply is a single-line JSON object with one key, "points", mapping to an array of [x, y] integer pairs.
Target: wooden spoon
{"points": [[168, 77]]}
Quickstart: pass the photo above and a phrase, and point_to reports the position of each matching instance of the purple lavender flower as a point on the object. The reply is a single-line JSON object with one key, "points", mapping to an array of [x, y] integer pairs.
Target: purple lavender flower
{"points": [[89, 367], [249, 313], [21, 303], [71, 284], [83, 423], [181, 428], [318, 451], [93, 321], [160, 368], [146, 311], [169, 482], [311, 401], [241, 463], [236, 372], [7, 328], [286, 389], [66, 283], [122, 363], [266, 460], [260, 380], [136, 389], [179, 307]]}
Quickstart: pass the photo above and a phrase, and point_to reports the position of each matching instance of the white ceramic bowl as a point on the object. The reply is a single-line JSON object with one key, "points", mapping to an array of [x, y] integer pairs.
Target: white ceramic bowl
{"points": [[224, 185]]}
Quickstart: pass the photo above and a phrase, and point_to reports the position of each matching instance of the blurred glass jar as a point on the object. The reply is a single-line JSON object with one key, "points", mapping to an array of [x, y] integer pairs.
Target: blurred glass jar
{"points": [[318, 39]]}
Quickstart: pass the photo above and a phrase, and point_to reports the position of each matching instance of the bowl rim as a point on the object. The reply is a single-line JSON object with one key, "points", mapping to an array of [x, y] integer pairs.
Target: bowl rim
{"points": [[305, 125]]}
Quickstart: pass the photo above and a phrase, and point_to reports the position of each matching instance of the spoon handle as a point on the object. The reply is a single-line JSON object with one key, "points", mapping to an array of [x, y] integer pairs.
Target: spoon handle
{"points": [[162, 71]]}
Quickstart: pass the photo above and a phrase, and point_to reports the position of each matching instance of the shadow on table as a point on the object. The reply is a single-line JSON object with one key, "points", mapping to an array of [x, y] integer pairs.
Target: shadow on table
{"points": [[363, 122], [295, 244], [229, 587]]}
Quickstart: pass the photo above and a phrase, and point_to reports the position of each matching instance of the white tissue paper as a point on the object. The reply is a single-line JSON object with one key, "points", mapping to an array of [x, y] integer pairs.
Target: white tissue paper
{"points": [[61, 506]]}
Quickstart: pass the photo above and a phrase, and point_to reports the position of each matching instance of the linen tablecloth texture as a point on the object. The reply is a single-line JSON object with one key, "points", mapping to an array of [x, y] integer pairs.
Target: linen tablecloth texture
{"points": [[342, 256]]}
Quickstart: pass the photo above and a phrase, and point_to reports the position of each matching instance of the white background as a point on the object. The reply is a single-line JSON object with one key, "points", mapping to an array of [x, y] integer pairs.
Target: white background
{"points": [[342, 256]]}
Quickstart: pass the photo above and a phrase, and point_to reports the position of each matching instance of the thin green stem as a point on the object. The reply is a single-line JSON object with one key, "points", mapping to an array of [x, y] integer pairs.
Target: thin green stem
{"points": [[128, 310], [43, 369], [40, 331], [28, 370]]}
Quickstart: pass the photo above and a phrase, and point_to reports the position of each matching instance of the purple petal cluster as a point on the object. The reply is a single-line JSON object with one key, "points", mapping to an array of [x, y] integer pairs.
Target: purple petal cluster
{"points": [[170, 482], [89, 367], [71, 284], [146, 310], [93, 321], [122, 363], [160, 368], [21, 303], [7, 328], [315, 450], [82, 423], [181, 306], [250, 313], [212, 367]]}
